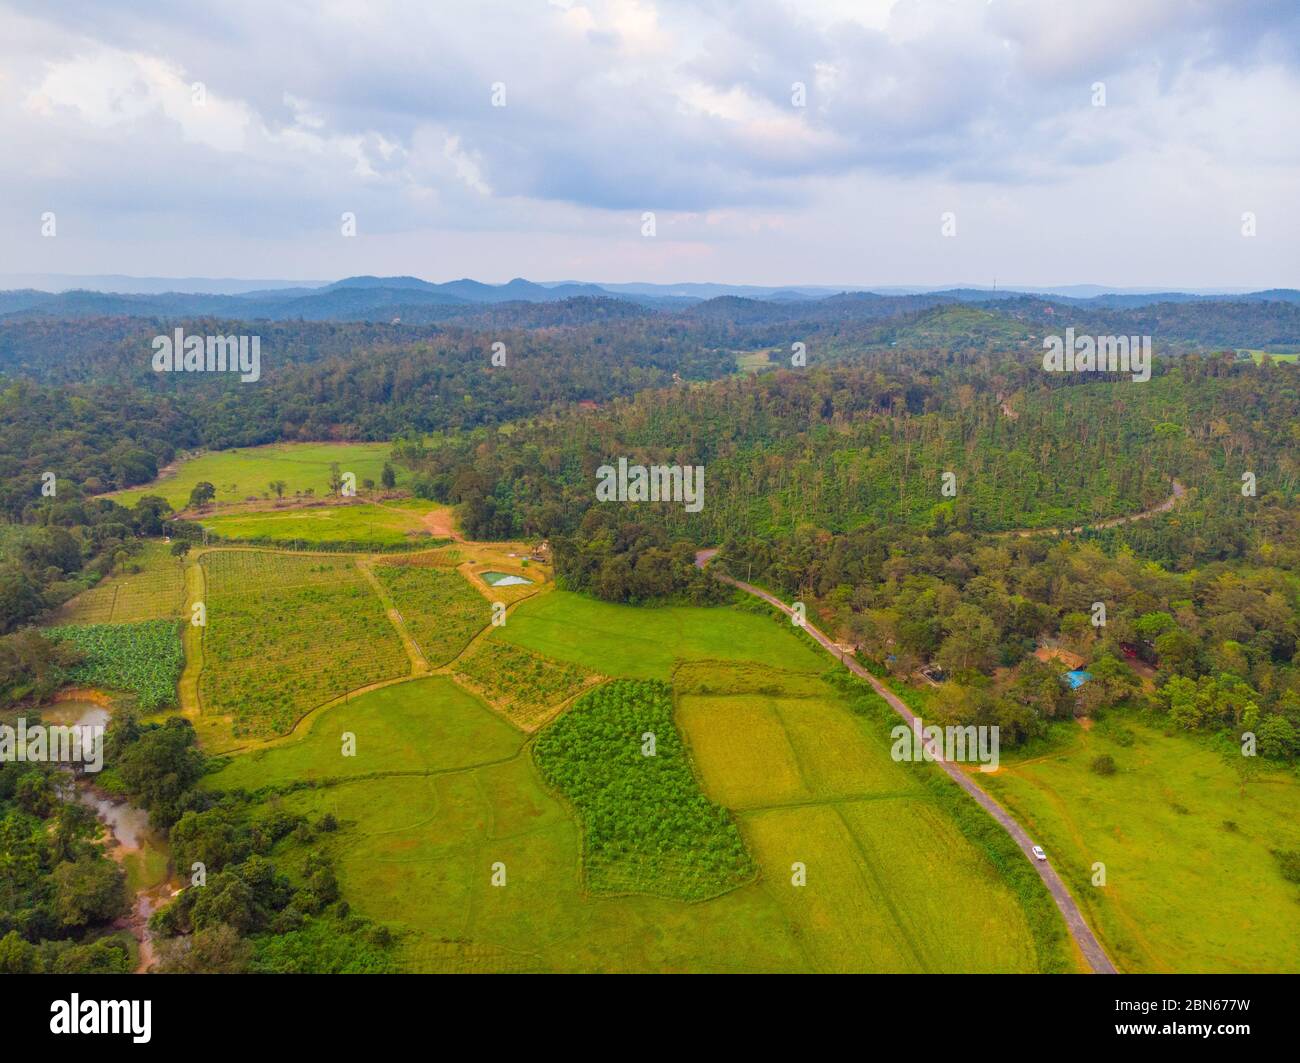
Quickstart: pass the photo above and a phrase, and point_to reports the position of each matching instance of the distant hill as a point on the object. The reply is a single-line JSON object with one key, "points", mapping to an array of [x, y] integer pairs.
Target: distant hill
{"points": [[413, 301], [383, 282]]}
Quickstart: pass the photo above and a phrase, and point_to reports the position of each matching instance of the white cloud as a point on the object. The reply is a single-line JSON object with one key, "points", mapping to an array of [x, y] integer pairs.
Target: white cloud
{"points": [[113, 88], [616, 106]]}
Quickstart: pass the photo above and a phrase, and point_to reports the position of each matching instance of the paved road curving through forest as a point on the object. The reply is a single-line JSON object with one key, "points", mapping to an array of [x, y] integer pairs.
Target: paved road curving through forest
{"points": [[1078, 926]]}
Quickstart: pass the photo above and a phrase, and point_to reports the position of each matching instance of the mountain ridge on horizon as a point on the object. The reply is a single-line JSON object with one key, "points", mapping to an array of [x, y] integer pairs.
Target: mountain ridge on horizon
{"points": [[128, 284], [412, 300]]}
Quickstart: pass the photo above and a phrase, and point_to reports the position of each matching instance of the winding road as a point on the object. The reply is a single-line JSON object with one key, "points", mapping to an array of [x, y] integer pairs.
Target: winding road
{"points": [[1078, 926], [1178, 492]]}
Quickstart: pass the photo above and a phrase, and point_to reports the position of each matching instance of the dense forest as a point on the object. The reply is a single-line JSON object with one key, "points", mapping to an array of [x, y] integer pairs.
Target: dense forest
{"points": [[839, 447]]}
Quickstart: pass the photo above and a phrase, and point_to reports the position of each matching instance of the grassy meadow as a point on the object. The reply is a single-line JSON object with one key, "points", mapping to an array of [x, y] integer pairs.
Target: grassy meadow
{"points": [[423, 726], [1191, 882], [647, 643], [248, 472], [1276, 356], [389, 523]]}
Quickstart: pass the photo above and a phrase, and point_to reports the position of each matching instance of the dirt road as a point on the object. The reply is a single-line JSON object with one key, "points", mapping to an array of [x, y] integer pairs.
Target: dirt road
{"points": [[1176, 496]]}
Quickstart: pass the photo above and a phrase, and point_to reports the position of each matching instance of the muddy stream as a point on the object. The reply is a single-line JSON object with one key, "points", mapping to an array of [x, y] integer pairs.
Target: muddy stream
{"points": [[140, 850]]}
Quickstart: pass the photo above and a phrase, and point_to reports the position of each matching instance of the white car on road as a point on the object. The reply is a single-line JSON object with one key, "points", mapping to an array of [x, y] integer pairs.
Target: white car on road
{"points": [[1038, 853]]}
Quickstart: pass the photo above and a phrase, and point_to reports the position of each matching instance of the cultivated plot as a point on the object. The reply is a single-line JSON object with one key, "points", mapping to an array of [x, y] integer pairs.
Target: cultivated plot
{"points": [[525, 687], [150, 586], [439, 608], [890, 882], [142, 659], [286, 633]]}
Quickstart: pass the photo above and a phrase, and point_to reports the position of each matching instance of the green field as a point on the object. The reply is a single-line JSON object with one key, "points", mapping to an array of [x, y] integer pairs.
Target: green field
{"points": [[1258, 356], [443, 794], [623, 640], [755, 361], [1191, 884], [892, 884], [247, 473], [286, 633], [384, 524], [425, 725], [416, 849], [142, 659], [150, 586]]}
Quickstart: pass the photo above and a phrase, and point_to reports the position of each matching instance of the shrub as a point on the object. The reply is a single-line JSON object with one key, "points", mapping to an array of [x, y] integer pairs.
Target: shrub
{"points": [[1104, 764]]}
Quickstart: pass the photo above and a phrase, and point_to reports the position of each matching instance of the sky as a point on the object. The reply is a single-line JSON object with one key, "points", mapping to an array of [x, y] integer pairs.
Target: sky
{"points": [[879, 142]]}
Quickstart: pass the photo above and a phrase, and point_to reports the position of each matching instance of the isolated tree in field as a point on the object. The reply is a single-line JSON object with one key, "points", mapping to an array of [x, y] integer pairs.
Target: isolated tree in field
{"points": [[202, 494], [336, 478], [388, 478], [180, 548], [278, 487]]}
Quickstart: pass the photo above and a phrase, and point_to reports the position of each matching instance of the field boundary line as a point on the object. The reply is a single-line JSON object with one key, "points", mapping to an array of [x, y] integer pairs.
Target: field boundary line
{"points": [[191, 698], [844, 799], [867, 869], [331, 781], [419, 662], [486, 630], [1075, 922], [463, 681]]}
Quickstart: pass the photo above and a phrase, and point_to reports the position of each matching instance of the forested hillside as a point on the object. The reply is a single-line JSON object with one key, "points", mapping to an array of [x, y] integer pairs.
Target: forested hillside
{"points": [[837, 448]]}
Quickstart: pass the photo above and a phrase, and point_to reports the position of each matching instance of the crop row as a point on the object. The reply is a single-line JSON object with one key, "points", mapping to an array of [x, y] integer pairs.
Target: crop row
{"points": [[282, 638]]}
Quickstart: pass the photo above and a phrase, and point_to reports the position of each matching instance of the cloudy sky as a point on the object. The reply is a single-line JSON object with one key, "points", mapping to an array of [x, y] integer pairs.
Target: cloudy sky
{"points": [[808, 141]]}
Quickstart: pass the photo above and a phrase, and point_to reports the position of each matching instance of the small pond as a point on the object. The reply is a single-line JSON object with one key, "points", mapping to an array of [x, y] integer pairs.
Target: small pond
{"points": [[503, 579]]}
